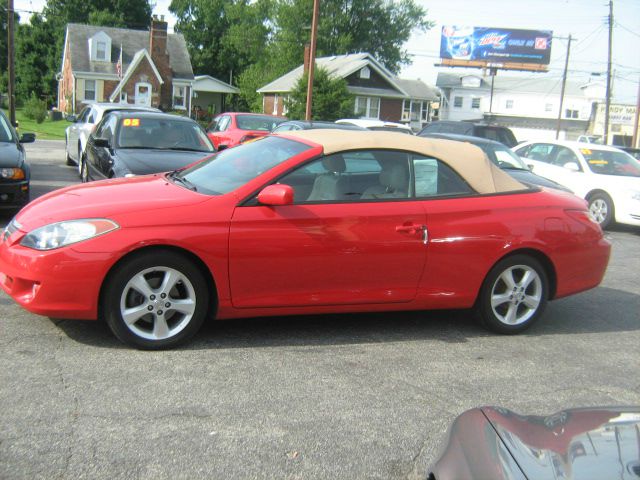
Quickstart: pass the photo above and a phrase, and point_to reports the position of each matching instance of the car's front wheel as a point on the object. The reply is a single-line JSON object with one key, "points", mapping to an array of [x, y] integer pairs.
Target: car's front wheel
{"points": [[514, 295], [69, 160], [601, 209], [84, 170], [157, 299]]}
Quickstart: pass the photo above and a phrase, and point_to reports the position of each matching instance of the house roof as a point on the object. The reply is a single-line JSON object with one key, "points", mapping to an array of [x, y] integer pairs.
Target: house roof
{"points": [[535, 84], [132, 42], [137, 58], [207, 83], [341, 66]]}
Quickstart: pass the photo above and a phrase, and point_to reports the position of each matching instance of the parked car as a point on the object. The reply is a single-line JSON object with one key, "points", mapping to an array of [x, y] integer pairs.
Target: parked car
{"points": [[498, 444], [497, 133], [293, 125], [315, 221], [506, 159], [128, 143], [590, 139], [84, 123], [377, 125], [634, 152], [233, 128], [15, 173], [607, 177]]}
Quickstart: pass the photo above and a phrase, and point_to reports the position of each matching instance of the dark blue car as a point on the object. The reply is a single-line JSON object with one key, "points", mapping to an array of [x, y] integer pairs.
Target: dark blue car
{"points": [[14, 169]]}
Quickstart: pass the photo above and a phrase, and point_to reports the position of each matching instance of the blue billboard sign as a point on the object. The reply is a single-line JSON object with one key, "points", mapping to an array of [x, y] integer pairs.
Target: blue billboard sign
{"points": [[496, 45]]}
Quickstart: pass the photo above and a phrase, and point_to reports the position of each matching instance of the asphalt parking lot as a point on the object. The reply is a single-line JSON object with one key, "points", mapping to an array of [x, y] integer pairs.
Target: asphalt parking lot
{"points": [[334, 396]]}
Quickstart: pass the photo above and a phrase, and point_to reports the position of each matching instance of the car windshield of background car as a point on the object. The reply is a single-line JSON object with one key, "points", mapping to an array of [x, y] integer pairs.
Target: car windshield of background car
{"points": [[257, 122], [5, 130], [608, 162], [508, 160], [162, 134], [236, 166]]}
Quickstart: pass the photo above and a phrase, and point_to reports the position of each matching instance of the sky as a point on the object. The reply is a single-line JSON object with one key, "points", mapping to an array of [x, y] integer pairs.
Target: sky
{"points": [[585, 20]]}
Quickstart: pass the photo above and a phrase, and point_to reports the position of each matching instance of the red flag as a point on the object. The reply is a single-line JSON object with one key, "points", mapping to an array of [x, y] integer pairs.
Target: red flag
{"points": [[119, 64]]}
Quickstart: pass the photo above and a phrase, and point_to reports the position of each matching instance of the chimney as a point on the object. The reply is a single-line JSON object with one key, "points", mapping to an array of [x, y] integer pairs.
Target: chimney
{"points": [[307, 55], [160, 57]]}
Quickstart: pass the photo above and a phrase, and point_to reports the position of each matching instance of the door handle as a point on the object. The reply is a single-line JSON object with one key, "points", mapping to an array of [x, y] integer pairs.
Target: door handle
{"points": [[413, 229]]}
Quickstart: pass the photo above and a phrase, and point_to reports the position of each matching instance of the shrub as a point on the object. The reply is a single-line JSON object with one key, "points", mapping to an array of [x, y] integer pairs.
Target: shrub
{"points": [[35, 109]]}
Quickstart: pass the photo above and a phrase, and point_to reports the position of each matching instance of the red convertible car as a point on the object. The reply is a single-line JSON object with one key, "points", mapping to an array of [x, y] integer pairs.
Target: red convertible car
{"points": [[315, 221], [230, 129]]}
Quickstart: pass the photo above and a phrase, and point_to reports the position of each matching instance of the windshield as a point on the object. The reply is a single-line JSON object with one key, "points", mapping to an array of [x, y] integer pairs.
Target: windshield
{"points": [[263, 123], [6, 135], [607, 162], [236, 166], [162, 134]]}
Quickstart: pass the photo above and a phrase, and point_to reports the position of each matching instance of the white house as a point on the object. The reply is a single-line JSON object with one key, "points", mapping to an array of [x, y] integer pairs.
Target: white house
{"points": [[527, 105]]}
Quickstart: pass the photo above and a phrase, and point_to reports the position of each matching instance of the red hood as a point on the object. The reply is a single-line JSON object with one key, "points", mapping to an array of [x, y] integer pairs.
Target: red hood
{"points": [[108, 199]]}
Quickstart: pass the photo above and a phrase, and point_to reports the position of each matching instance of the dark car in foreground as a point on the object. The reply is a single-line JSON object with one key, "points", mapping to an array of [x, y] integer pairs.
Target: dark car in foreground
{"points": [[128, 143], [581, 443], [506, 159], [498, 133], [14, 169], [294, 125]]}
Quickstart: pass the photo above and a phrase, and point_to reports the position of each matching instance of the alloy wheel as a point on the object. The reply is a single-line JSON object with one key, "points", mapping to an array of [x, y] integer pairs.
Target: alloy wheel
{"points": [[516, 295], [598, 209]]}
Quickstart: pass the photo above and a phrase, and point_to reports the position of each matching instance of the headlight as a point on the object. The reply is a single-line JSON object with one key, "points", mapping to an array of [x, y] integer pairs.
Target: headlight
{"points": [[56, 235], [12, 173]]}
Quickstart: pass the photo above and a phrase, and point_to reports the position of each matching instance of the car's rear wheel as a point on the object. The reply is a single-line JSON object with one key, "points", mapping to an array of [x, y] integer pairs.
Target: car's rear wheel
{"points": [[601, 209], [84, 170], [80, 158], [69, 160], [157, 299], [514, 295]]}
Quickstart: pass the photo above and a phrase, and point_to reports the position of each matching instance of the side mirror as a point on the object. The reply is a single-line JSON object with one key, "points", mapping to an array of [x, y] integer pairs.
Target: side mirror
{"points": [[277, 194], [71, 118], [27, 138], [101, 142], [572, 166]]}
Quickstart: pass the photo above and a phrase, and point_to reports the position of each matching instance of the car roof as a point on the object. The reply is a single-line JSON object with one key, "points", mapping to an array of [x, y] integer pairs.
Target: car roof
{"points": [[577, 145], [321, 124], [368, 122], [468, 160], [144, 114], [465, 138], [121, 106]]}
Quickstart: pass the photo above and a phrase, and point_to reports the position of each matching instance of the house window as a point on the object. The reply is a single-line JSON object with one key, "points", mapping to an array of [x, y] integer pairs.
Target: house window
{"points": [[475, 102], [457, 102], [406, 110], [365, 73], [275, 104], [548, 107], [89, 89], [179, 97], [568, 113], [509, 104], [367, 107], [101, 50], [415, 111]]}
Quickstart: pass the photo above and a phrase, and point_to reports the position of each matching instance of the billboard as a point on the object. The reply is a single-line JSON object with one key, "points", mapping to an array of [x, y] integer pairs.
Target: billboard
{"points": [[495, 47]]}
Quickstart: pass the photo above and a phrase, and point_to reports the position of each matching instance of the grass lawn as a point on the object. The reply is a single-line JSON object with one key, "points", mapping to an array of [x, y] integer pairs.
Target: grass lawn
{"points": [[46, 130]]}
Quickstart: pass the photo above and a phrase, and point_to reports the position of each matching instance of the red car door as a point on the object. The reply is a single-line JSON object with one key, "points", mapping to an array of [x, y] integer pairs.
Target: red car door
{"points": [[356, 248]]}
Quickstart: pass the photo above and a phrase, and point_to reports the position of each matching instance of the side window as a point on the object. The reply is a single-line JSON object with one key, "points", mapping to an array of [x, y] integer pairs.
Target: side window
{"points": [[100, 130], [563, 155], [91, 116], [540, 151], [223, 124], [434, 178], [107, 128]]}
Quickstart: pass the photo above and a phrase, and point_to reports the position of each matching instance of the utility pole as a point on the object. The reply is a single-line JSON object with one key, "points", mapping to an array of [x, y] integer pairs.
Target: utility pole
{"points": [[11, 64], [312, 57], [564, 83], [607, 105]]}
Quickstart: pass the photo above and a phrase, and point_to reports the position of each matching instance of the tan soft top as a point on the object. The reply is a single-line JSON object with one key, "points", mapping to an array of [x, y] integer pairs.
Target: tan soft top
{"points": [[466, 159]]}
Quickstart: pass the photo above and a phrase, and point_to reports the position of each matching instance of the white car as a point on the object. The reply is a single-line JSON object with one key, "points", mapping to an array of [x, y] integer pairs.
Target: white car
{"points": [[76, 135], [607, 177], [372, 124]]}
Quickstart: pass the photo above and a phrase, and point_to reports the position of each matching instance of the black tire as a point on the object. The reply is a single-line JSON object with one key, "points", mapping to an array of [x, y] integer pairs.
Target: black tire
{"points": [[601, 209], [84, 170], [69, 160], [79, 162], [514, 310], [154, 322]]}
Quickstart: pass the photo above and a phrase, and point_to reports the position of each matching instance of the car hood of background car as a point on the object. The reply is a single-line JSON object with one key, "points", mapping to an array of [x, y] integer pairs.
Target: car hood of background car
{"points": [[493, 442], [9, 155], [143, 162], [137, 198]]}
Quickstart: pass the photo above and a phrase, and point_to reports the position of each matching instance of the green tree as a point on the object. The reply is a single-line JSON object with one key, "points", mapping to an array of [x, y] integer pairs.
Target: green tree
{"points": [[331, 100]]}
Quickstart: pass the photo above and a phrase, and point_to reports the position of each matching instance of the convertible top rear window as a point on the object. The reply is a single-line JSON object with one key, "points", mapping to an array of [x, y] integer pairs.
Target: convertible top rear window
{"points": [[232, 168]]}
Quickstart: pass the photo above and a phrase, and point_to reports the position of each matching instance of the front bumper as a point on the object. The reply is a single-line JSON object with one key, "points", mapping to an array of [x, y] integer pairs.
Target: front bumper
{"points": [[58, 283], [14, 194]]}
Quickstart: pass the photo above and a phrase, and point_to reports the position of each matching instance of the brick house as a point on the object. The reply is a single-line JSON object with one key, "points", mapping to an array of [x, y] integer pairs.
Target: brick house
{"points": [[103, 64], [378, 94]]}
